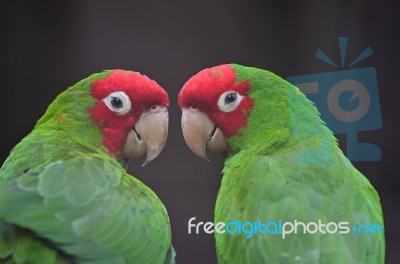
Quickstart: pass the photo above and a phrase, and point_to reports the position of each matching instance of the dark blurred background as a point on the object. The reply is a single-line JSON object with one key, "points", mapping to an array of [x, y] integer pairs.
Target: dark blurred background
{"points": [[47, 46]]}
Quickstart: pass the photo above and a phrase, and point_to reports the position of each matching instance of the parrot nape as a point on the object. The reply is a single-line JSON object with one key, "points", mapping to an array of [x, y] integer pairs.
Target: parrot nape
{"points": [[282, 164], [65, 194]]}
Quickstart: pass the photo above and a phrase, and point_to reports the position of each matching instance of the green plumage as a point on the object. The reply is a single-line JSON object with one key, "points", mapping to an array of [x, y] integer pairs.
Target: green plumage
{"points": [[286, 165], [63, 199]]}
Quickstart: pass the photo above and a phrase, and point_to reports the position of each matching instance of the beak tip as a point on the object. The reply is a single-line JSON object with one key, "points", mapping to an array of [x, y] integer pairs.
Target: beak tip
{"points": [[147, 161], [152, 154], [203, 156], [153, 129]]}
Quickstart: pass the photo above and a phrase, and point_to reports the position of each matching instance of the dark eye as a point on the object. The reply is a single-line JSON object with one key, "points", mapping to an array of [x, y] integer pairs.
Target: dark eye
{"points": [[116, 102], [230, 98], [229, 101]]}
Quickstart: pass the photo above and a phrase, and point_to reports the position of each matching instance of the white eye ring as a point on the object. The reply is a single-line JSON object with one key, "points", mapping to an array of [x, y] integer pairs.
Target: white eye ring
{"points": [[229, 101], [118, 102]]}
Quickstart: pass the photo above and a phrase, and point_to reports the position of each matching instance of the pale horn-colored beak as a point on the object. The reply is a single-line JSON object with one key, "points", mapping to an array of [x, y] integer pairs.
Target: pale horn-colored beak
{"points": [[148, 135], [200, 132]]}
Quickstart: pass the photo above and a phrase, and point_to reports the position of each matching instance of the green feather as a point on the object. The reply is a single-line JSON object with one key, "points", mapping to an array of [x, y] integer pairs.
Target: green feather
{"points": [[63, 198], [286, 165]]}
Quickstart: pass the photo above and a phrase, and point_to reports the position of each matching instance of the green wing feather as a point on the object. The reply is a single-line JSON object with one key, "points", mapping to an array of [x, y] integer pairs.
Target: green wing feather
{"points": [[286, 165], [282, 187], [89, 208]]}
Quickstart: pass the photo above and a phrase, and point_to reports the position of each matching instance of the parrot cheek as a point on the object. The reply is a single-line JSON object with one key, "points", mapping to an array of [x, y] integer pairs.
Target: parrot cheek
{"points": [[199, 131], [149, 135]]}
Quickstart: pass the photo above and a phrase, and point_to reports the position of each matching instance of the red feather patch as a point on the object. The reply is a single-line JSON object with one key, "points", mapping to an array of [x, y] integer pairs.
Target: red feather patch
{"points": [[203, 90], [143, 94]]}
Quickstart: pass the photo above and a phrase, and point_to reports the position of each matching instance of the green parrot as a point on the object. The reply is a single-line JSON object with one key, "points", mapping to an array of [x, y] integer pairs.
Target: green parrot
{"points": [[65, 194], [288, 194]]}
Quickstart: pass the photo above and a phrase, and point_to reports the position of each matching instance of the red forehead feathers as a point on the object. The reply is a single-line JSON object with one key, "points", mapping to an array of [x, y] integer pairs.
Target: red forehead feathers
{"points": [[203, 90], [141, 90], [207, 85], [143, 94]]}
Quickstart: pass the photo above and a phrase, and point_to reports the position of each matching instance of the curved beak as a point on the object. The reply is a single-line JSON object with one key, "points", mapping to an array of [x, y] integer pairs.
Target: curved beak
{"points": [[148, 135], [200, 132]]}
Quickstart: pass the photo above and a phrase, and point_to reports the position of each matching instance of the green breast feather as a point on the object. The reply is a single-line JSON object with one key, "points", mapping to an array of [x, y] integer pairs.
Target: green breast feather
{"points": [[286, 165], [63, 199]]}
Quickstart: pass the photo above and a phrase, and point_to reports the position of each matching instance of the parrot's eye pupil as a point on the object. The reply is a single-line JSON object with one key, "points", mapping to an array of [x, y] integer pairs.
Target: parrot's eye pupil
{"points": [[229, 101], [116, 102], [230, 98]]}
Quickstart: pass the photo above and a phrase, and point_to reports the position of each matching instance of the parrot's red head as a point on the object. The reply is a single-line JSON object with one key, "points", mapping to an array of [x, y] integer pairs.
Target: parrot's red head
{"points": [[131, 110], [215, 106]]}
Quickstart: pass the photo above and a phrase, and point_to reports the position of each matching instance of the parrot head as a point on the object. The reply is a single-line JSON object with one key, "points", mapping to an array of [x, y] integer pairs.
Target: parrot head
{"points": [[214, 107], [126, 110], [131, 110], [232, 107]]}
